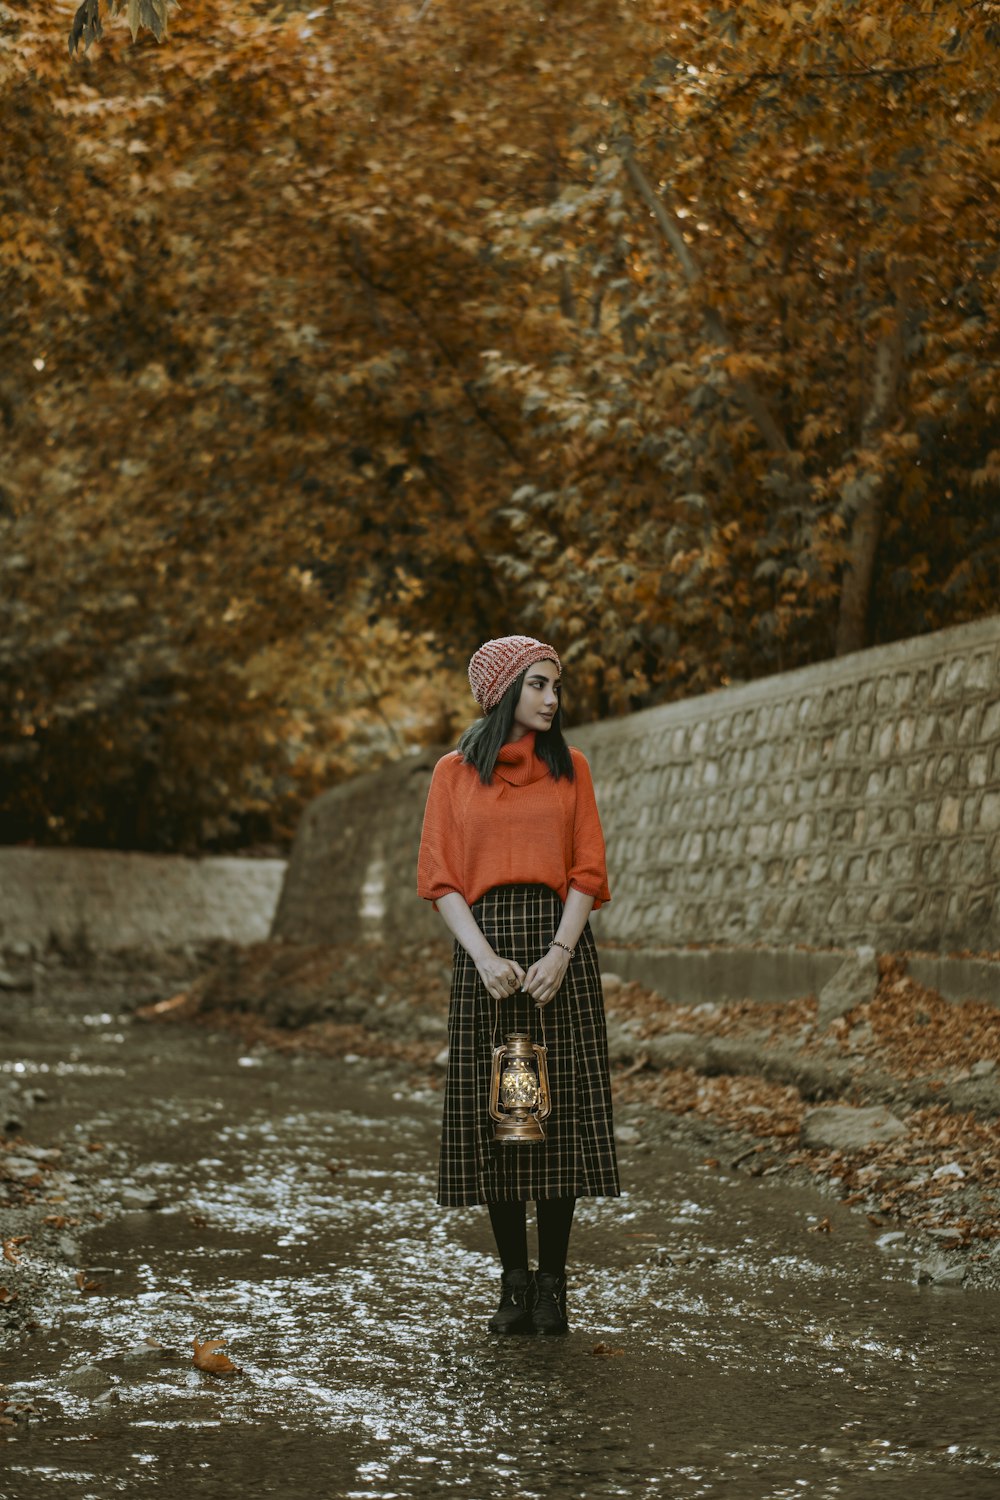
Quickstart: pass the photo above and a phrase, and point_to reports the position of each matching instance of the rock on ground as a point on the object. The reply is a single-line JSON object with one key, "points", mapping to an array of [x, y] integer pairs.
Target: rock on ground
{"points": [[841, 1127], [854, 983]]}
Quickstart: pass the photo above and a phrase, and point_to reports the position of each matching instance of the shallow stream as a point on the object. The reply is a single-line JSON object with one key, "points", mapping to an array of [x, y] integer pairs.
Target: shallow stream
{"points": [[720, 1346]]}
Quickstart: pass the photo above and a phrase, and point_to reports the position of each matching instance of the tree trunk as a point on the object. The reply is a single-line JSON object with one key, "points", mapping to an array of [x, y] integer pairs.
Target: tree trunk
{"points": [[853, 629], [853, 633]]}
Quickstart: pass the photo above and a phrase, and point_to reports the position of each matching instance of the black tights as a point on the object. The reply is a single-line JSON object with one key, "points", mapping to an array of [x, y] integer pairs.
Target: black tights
{"points": [[555, 1220]]}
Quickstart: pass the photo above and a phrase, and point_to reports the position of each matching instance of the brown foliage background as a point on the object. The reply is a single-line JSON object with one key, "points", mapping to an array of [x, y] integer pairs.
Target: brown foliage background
{"points": [[337, 340]]}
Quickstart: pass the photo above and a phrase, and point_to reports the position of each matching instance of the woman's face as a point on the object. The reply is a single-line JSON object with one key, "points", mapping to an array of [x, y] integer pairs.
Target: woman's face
{"points": [[536, 707]]}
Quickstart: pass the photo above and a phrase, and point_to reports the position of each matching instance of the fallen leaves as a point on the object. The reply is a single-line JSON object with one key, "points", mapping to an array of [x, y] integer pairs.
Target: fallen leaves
{"points": [[823, 1227], [913, 1031], [748, 1103], [6, 1295], [937, 1178], [174, 1009], [12, 1412], [87, 1287], [208, 1358], [11, 1253], [916, 1031], [606, 1351]]}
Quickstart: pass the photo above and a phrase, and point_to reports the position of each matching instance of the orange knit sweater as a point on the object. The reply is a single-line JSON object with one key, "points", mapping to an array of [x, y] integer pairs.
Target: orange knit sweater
{"points": [[525, 828]]}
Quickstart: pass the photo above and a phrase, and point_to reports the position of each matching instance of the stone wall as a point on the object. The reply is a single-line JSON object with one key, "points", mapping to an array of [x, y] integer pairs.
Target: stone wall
{"points": [[91, 899], [352, 871], [853, 802], [857, 801]]}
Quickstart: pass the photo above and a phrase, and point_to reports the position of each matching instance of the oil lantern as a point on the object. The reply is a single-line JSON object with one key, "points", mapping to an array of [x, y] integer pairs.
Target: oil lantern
{"points": [[519, 1091]]}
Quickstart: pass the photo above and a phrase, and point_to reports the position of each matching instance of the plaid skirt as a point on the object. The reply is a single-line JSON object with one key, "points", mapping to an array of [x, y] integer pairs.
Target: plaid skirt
{"points": [[577, 1158]]}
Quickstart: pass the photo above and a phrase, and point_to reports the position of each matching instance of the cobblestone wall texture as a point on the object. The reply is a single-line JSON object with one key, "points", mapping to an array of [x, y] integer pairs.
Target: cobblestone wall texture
{"points": [[857, 801], [353, 867]]}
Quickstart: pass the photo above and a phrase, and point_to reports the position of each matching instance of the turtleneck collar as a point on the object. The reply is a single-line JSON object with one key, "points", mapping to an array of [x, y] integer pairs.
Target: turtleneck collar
{"points": [[517, 763]]}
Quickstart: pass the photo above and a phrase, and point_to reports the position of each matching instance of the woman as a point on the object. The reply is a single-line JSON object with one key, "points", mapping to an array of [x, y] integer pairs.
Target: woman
{"points": [[512, 855]]}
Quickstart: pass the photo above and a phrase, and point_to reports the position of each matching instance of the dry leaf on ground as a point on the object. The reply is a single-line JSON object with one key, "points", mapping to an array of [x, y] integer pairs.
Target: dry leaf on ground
{"points": [[207, 1358], [162, 1010]]}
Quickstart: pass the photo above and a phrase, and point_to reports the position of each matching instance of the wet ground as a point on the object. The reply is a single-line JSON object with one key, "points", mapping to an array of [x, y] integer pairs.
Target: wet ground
{"points": [[720, 1344]]}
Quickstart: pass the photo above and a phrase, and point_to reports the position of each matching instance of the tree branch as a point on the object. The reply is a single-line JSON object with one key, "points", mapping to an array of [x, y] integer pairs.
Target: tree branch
{"points": [[670, 228], [357, 261]]}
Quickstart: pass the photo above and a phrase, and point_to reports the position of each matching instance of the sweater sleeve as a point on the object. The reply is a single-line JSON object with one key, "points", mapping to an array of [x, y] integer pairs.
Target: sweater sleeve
{"points": [[440, 861], [588, 872]]}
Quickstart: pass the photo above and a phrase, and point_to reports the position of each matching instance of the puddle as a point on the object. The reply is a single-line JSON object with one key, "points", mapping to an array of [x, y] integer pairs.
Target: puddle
{"points": [[719, 1347]]}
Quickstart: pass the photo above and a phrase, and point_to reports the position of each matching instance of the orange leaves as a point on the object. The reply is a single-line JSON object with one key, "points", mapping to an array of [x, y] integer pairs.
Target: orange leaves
{"points": [[11, 1253], [917, 1032], [208, 1358], [878, 39], [175, 1008], [337, 356], [86, 1286], [741, 365]]}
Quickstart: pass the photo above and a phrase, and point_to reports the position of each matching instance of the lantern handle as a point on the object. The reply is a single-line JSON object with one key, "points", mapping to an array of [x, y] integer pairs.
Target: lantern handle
{"points": [[541, 1022]]}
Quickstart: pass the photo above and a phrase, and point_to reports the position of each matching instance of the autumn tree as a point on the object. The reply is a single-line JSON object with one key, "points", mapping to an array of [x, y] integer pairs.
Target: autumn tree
{"points": [[336, 341], [781, 250]]}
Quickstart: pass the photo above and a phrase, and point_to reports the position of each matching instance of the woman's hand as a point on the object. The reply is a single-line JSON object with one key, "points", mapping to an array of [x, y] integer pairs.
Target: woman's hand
{"points": [[544, 979], [501, 976]]}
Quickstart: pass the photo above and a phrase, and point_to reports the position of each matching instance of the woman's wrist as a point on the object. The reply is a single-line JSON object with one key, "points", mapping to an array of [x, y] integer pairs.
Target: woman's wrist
{"points": [[562, 947]]}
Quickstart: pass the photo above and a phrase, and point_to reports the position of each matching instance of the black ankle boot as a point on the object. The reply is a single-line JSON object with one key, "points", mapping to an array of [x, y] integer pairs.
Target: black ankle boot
{"points": [[549, 1312], [514, 1313]]}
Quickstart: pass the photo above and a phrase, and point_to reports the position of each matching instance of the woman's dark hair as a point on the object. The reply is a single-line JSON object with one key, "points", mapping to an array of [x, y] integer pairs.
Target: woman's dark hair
{"points": [[482, 741]]}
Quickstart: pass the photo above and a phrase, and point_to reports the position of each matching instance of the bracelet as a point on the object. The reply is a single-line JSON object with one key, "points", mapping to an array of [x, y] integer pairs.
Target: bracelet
{"points": [[555, 943]]}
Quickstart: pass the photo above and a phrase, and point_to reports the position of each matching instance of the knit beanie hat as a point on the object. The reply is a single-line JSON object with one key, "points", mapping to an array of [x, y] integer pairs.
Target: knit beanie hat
{"points": [[498, 663]]}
